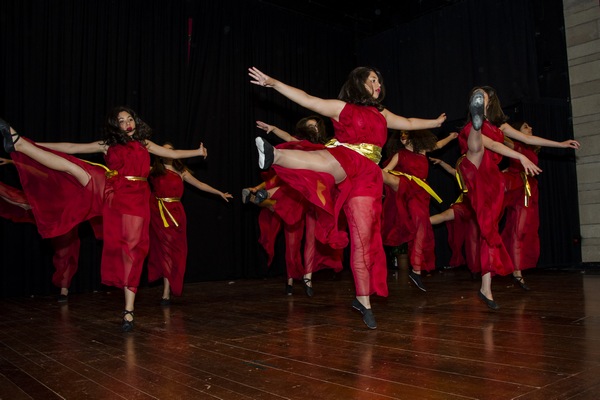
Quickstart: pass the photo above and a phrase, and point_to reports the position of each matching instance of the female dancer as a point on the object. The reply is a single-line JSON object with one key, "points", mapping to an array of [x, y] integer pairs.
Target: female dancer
{"points": [[406, 204], [360, 122], [482, 140], [168, 223], [286, 206], [520, 234], [75, 195]]}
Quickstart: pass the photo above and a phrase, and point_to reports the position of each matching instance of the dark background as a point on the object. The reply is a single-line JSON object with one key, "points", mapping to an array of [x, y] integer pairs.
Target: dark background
{"points": [[182, 65]]}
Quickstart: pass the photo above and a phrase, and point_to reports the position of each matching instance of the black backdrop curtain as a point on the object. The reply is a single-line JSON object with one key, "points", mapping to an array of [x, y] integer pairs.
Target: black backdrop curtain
{"points": [[64, 64]]}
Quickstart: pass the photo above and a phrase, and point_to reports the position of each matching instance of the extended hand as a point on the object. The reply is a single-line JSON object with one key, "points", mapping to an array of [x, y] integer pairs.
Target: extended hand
{"points": [[260, 79], [203, 150], [573, 144], [265, 127]]}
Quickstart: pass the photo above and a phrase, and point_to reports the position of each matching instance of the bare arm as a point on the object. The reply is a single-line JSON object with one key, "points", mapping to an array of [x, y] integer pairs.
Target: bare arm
{"points": [[411, 124], [327, 107], [530, 168], [6, 161], [536, 140], [187, 177], [441, 143], [283, 135], [448, 168], [161, 151], [75, 148]]}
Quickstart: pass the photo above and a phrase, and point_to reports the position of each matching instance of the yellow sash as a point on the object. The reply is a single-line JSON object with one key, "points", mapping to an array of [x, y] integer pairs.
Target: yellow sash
{"points": [[526, 188], [368, 150], [419, 182], [163, 209], [111, 172]]}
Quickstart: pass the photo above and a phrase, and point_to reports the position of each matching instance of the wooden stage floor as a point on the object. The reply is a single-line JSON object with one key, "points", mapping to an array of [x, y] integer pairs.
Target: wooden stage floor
{"points": [[247, 340]]}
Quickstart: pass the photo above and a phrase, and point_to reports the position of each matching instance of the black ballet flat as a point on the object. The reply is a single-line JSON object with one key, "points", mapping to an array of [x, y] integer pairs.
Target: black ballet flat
{"points": [[521, 282], [476, 108], [367, 313], [490, 303], [289, 290], [165, 302], [9, 143], [62, 298], [246, 196], [266, 153], [260, 196], [308, 289], [126, 326]]}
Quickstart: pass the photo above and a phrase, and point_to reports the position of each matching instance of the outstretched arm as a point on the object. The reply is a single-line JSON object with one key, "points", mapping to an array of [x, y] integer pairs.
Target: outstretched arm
{"points": [[536, 140], [283, 135], [530, 167], [411, 124], [441, 143], [448, 168], [175, 154], [6, 161], [204, 187], [327, 107]]}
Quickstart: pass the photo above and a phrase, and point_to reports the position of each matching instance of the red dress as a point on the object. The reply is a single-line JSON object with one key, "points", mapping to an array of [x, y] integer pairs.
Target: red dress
{"points": [[126, 216], [359, 195], [406, 212], [168, 245], [520, 233], [66, 246], [58, 201], [485, 187]]}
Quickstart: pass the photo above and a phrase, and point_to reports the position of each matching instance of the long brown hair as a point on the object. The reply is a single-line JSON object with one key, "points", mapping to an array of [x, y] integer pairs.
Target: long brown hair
{"points": [[494, 112], [354, 90], [113, 133]]}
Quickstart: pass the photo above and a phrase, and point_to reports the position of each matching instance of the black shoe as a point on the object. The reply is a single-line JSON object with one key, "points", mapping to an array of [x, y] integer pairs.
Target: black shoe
{"points": [[308, 289], [289, 290], [260, 196], [416, 278], [476, 108], [521, 282], [165, 302], [246, 196], [62, 298], [126, 326], [367, 313], [266, 154], [9, 144], [490, 303]]}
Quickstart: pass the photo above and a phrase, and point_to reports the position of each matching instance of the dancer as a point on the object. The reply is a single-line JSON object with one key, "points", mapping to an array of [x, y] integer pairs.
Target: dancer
{"points": [[124, 202], [284, 206], [168, 223], [520, 233], [360, 122], [481, 139], [406, 204]]}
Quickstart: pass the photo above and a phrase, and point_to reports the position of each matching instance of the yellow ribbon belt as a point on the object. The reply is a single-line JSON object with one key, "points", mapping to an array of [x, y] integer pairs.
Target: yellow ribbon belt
{"points": [[526, 187], [460, 181], [111, 172], [419, 182], [368, 150], [163, 209]]}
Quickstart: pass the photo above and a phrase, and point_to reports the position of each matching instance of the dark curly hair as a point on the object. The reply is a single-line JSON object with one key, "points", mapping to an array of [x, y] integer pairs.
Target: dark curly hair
{"points": [[303, 132], [354, 90], [113, 133], [494, 112]]}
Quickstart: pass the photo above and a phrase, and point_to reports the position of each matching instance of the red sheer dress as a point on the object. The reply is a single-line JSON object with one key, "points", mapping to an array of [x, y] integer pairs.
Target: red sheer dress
{"points": [[406, 212], [520, 233], [168, 244], [126, 215], [485, 187], [359, 195]]}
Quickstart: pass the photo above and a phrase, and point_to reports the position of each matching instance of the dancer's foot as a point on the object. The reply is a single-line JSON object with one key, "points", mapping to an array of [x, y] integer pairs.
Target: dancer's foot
{"points": [[260, 196], [9, 142], [521, 282], [367, 313], [476, 108], [416, 278], [489, 302], [127, 322], [246, 196], [266, 153]]}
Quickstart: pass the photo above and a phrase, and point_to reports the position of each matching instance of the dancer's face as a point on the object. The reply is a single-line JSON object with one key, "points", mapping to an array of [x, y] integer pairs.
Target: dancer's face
{"points": [[526, 129], [312, 124], [372, 84], [126, 122]]}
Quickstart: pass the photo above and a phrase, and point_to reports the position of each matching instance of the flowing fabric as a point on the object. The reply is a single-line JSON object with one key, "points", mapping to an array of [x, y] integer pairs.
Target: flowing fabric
{"points": [[126, 215], [485, 187], [520, 234], [406, 212], [168, 245], [58, 201], [359, 196], [463, 235]]}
